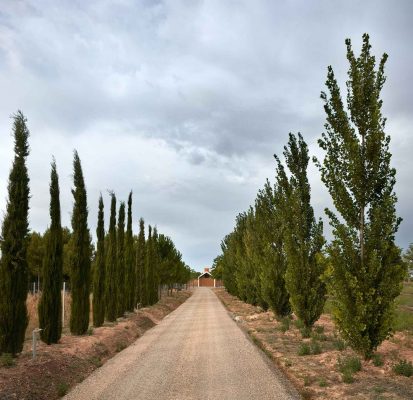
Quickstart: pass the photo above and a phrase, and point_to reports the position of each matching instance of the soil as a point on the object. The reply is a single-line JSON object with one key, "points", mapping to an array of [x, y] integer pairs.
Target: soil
{"points": [[317, 376], [61, 366]]}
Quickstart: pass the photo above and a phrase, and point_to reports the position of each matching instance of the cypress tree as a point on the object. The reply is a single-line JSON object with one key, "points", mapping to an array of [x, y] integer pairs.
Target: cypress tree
{"points": [[15, 229], [303, 236], [155, 266], [366, 269], [111, 265], [129, 261], [149, 273], [99, 273], [120, 273], [141, 264], [80, 257], [50, 306]]}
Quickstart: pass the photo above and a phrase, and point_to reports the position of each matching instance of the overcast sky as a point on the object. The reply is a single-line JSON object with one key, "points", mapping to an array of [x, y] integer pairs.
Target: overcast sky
{"points": [[185, 102]]}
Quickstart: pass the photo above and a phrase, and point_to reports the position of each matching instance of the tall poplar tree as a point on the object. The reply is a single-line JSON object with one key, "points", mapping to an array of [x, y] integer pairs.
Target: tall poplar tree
{"points": [[50, 305], [155, 267], [303, 235], [111, 265], [140, 265], [129, 261], [366, 269], [80, 257], [99, 273], [14, 241], [120, 273]]}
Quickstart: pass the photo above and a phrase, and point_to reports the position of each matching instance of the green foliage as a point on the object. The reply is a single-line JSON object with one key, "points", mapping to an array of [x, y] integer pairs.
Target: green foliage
{"points": [[120, 272], [315, 348], [130, 278], [349, 363], [7, 360], [13, 264], [141, 293], [377, 360], [322, 382], [62, 389], [403, 367], [284, 324], [99, 272], [80, 257], [366, 269], [303, 236], [111, 265], [305, 332], [339, 344], [50, 305], [304, 349], [36, 248]]}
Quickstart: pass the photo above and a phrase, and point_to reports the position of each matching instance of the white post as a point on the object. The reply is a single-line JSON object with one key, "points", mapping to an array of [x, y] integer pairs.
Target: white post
{"points": [[214, 282], [63, 304], [198, 282]]}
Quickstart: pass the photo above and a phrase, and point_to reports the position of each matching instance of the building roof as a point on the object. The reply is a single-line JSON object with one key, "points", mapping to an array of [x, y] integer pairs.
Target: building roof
{"points": [[205, 273]]}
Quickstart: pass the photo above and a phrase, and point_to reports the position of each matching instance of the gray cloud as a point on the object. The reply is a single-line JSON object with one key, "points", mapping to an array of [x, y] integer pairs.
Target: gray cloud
{"points": [[186, 101]]}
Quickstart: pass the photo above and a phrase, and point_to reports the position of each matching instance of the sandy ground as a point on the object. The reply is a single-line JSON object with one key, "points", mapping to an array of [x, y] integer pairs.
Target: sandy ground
{"points": [[196, 352]]}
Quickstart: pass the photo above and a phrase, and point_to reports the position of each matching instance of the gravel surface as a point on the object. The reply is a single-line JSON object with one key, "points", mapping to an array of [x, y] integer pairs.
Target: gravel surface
{"points": [[196, 352]]}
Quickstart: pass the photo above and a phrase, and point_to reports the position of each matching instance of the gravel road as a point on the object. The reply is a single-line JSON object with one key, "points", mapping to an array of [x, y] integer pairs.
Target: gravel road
{"points": [[196, 352]]}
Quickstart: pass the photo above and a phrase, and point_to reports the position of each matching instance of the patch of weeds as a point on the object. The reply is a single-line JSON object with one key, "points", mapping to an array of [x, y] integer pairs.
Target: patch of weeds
{"points": [[288, 363], [90, 331], [304, 350], [348, 366], [319, 336], [352, 364], [96, 361], [339, 344], [7, 360], [285, 324], [305, 332], [299, 324], [347, 376], [404, 368], [319, 329], [378, 389], [377, 360], [120, 346], [62, 389], [316, 348], [322, 382], [307, 380]]}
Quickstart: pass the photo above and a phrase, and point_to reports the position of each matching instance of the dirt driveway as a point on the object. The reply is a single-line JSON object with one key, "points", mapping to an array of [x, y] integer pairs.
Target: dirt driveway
{"points": [[196, 352]]}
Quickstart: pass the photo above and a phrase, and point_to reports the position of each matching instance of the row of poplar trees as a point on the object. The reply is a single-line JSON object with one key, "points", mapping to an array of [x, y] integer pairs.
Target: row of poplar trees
{"points": [[127, 270], [277, 256]]}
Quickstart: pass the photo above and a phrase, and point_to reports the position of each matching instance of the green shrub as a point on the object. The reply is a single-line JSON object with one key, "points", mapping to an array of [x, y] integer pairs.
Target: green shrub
{"points": [[347, 376], [95, 361], [120, 346], [322, 382], [319, 329], [351, 364], [299, 324], [304, 349], [377, 360], [403, 367], [316, 348], [285, 324], [7, 360], [339, 344], [62, 389], [305, 332]]}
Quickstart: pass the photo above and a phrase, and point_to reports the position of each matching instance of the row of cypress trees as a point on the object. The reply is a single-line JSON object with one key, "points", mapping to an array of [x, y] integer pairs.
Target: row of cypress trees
{"points": [[277, 256], [126, 270]]}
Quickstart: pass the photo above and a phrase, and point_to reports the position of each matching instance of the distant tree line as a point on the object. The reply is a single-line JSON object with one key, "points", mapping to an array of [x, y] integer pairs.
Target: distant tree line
{"points": [[123, 272], [277, 257]]}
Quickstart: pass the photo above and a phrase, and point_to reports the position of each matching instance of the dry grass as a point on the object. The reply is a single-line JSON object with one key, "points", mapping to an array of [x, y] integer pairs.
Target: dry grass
{"points": [[317, 371]]}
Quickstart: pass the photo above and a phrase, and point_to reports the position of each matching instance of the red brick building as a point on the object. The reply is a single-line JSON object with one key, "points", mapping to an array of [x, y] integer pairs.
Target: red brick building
{"points": [[207, 280]]}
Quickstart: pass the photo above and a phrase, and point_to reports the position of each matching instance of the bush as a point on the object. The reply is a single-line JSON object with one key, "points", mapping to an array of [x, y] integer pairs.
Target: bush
{"points": [[62, 389], [7, 360], [319, 329], [299, 324], [305, 332], [351, 364], [377, 360], [403, 367], [120, 346], [316, 348], [339, 344], [304, 349], [285, 324], [347, 377], [322, 382]]}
